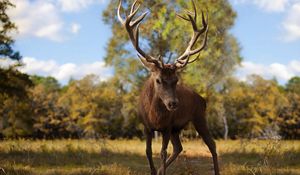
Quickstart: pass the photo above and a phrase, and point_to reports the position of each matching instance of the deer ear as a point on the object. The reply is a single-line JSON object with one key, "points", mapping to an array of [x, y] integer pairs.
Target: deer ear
{"points": [[149, 66]]}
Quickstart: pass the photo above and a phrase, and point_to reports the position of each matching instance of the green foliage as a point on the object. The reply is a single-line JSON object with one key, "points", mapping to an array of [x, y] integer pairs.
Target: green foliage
{"points": [[289, 117], [15, 118], [293, 85], [50, 83], [15, 106], [13, 82], [6, 41], [164, 34], [257, 108], [48, 116], [93, 106], [252, 108]]}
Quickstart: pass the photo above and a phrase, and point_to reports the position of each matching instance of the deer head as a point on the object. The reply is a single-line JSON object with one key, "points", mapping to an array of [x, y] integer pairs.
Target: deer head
{"points": [[164, 75]]}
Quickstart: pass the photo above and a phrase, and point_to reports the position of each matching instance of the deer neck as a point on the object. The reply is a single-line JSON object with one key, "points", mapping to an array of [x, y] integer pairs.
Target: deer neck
{"points": [[157, 107]]}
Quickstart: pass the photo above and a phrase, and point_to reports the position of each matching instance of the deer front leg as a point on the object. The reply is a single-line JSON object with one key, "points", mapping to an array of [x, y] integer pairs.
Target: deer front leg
{"points": [[177, 148], [149, 135], [163, 153]]}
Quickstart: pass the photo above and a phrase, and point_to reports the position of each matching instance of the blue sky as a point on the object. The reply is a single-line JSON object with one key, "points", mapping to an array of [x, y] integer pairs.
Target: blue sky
{"points": [[67, 38]]}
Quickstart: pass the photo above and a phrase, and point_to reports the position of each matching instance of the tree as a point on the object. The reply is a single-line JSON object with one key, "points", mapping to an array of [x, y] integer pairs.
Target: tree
{"points": [[293, 85], [289, 118], [11, 80], [15, 108], [94, 108], [16, 117], [164, 34], [253, 108], [15, 104], [48, 115], [6, 41]]}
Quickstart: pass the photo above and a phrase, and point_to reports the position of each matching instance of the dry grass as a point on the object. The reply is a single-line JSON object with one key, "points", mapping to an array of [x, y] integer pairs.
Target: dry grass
{"points": [[127, 157]]}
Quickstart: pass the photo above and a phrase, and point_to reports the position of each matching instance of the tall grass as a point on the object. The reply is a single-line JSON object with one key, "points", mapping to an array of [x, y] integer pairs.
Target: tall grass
{"points": [[127, 157]]}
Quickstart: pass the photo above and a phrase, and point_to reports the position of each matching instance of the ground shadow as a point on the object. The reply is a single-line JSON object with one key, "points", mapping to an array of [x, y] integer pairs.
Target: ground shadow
{"points": [[136, 163], [84, 159]]}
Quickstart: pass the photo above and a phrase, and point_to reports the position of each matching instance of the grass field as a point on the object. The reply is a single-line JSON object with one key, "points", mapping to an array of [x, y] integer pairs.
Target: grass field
{"points": [[127, 157]]}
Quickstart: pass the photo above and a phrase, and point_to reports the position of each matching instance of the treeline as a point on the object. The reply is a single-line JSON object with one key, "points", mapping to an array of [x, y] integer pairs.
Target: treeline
{"points": [[83, 108], [89, 108], [257, 108]]}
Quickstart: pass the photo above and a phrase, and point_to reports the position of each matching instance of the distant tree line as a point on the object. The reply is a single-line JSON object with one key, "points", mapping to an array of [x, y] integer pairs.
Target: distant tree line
{"points": [[88, 108], [39, 107]]}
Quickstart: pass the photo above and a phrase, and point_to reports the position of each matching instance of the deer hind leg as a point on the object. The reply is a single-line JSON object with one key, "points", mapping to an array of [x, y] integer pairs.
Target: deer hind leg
{"points": [[149, 135], [177, 148], [201, 127]]}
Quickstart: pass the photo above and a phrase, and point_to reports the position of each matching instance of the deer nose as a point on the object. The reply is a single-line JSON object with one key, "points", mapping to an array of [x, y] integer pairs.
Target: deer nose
{"points": [[173, 104]]}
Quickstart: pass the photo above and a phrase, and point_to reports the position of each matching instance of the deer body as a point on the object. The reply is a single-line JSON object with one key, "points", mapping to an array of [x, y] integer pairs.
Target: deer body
{"points": [[166, 106], [155, 116]]}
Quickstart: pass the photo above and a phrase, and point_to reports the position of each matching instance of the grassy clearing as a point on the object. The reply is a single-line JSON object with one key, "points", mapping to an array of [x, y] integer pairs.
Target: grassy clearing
{"points": [[127, 157]]}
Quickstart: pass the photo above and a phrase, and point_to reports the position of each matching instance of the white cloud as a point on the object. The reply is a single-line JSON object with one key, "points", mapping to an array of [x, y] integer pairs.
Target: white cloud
{"points": [[34, 66], [66, 71], [280, 71], [291, 24], [267, 5], [272, 5], [5, 63], [76, 5], [291, 9], [44, 18], [62, 72], [38, 18], [295, 66], [75, 28]]}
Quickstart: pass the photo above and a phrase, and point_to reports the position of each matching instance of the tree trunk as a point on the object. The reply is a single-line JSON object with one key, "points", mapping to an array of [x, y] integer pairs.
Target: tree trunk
{"points": [[225, 127]]}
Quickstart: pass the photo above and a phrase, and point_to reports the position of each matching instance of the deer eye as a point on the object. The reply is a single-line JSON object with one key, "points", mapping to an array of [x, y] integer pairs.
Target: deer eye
{"points": [[158, 81]]}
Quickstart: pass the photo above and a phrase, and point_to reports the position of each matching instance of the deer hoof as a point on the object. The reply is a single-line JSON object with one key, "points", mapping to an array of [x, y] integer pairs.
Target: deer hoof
{"points": [[153, 172], [161, 172]]}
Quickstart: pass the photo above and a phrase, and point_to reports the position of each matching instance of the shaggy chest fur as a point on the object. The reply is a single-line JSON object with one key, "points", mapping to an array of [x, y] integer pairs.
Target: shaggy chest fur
{"points": [[159, 118], [155, 115]]}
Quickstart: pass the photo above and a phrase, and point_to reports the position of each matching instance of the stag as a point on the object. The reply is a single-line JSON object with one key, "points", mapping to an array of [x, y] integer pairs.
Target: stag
{"points": [[165, 105]]}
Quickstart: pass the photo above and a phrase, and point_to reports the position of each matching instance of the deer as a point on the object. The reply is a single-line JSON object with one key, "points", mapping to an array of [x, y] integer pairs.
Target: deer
{"points": [[165, 105]]}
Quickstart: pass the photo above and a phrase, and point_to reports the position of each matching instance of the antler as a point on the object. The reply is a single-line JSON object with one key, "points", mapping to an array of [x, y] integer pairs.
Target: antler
{"points": [[183, 60], [132, 28]]}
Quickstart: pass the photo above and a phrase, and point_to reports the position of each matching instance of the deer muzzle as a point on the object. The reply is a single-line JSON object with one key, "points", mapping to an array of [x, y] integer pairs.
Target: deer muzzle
{"points": [[172, 105]]}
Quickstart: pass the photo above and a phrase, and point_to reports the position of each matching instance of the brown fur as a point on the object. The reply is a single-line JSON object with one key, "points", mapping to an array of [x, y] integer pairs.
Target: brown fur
{"points": [[164, 105], [157, 117]]}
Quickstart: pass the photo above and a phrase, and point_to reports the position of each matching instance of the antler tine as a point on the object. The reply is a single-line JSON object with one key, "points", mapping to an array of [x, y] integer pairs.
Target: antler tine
{"points": [[183, 60], [161, 60], [182, 17], [131, 15], [195, 10], [183, 64], [133, 6], [132, 28], [119, 13], [139, 19]]}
